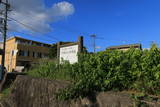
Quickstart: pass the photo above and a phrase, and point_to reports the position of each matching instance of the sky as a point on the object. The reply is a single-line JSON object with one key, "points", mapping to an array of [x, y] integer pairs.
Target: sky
{"points": [[114, 22]]}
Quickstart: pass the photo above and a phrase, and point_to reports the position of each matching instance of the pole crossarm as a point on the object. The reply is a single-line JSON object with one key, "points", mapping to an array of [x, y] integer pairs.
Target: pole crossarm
{"points": [[94, 42]]}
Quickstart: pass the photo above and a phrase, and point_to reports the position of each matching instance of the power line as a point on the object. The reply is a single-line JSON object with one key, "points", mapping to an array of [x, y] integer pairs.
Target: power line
{"points": [[73, 30], [34, 30], [64, 28], [47, 35], [23, 24], [67, 29], [49, 39]]}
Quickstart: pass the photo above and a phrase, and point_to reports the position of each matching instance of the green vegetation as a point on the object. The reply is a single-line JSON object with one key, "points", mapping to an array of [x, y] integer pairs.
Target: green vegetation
{"points": [[135, 69], [4, 93], [142, 100], [53, 51], [50, 70]]}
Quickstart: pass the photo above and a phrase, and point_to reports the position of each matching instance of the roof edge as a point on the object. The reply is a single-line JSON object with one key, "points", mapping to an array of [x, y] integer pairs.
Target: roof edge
{"points": [[12, 37], [125, 46]]}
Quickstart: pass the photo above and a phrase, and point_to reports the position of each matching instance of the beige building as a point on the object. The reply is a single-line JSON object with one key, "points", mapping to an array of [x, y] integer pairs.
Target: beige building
{"points": [[1, 45], [22, 53], [126, 47]]}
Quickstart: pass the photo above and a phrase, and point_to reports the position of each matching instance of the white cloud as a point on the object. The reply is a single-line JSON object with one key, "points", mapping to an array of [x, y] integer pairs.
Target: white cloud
{"points": [[63, 9], [35, 14]]}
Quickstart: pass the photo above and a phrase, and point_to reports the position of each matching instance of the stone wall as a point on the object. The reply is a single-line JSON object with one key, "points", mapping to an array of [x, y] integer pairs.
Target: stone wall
{"points": [[34, 92]]}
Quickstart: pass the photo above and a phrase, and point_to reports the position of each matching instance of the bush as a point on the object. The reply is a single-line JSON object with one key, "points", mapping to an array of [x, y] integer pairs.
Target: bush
{"points": [[134, 69], [51, 70], [115, 70]]}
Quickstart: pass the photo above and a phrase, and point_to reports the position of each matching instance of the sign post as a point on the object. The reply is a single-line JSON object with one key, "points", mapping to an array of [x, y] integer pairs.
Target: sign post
{"points": [[69, 52]]}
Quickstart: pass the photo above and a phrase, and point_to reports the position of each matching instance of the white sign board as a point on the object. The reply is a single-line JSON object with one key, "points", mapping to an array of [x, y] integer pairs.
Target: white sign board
{"points": [[69, 53]]}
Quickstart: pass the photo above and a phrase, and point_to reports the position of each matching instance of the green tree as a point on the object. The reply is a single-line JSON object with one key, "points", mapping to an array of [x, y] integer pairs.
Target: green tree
{"points": [[53, 51]]}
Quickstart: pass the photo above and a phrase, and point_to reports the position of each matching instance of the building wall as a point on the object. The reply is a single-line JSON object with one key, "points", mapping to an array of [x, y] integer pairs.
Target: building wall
{"points": [[15, 48], [10, 59], [32, 49], [1, 45], [124, 49]]}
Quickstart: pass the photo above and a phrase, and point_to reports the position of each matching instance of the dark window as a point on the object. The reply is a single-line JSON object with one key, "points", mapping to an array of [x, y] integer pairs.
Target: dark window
{"points": [[21, 53], [33, 55], [39, 55], [28, 53], [45, 55], [38, 44]]}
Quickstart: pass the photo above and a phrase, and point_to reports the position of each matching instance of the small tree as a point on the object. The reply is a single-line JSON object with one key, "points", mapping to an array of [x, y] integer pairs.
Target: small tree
{"points": [[53, 51]]}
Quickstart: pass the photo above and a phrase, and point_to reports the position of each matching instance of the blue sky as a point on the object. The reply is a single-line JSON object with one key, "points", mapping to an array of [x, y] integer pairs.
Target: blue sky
{"points": [[116, 22]]}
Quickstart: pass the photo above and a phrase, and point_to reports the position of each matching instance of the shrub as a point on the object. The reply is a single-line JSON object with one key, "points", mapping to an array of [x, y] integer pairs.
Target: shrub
{"points": [[134, 69], [51, 70], [115, 70]]}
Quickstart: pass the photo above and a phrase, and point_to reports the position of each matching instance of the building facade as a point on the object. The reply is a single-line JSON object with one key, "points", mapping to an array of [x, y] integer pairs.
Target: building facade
{"points": [[125, 47], [21, 53], [1, 45]]}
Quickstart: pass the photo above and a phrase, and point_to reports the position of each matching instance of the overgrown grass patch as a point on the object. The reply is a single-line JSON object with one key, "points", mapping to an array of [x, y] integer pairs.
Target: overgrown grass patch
{"points": [[5, 93], [51, 70]]}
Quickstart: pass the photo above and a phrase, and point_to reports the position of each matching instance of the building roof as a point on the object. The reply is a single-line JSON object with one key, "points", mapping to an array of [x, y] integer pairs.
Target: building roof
{"points": [[18, 37], [126, 46]]}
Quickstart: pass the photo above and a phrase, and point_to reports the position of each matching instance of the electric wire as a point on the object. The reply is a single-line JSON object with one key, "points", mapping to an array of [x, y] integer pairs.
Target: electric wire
{"points": [[34, 30], [72, 31], [39, 37]]}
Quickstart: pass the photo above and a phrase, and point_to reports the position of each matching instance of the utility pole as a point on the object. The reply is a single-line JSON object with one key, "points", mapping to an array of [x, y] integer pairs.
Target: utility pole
{"points": [[94, 42], [7, 6]]}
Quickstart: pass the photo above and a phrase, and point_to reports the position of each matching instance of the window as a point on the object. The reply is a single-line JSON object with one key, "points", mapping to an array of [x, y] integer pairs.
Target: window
{"points": [[25, 53], [33, 54], [28, 53], [39, 55], [45, 55], [21, 53]]}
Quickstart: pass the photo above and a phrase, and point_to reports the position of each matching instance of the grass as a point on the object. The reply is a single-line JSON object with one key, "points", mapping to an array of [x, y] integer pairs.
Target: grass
{"points": [[50, 70], [4, 93]]}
